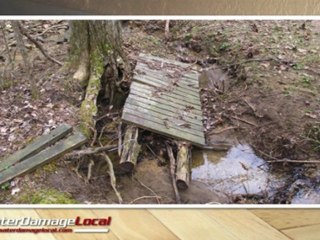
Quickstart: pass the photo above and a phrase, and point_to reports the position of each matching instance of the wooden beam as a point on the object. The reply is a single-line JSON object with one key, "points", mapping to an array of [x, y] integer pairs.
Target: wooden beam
{"points": [[36, 146], [50, 154], [183, 166]]}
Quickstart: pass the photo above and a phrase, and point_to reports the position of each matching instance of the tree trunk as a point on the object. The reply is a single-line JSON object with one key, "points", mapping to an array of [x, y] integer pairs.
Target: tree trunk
{"points": [[23, 51], [96, 48]]}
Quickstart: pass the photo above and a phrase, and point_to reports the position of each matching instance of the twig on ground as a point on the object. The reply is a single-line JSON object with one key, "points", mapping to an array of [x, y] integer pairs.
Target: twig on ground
{"points": [[143, 185], [143, 197], [172, 171], [286, 160], [244, 121], [250, 105], [221, 130], [120, 139], [113, 179], [90, 165], [167, 29]]}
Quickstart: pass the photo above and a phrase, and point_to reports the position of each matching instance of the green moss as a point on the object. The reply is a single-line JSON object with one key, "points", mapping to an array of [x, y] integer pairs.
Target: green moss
{"points": [[87, 111], [45, 196]]}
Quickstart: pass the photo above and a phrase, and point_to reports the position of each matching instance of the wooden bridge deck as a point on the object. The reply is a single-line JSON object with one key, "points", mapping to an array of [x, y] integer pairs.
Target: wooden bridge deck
{"points": [[164, 98]]}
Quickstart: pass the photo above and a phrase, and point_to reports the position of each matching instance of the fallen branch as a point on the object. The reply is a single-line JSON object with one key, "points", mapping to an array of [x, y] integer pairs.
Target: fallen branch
{"points": [[285, 160], [221, 130], [113, 179], [38, 45], [244, 121], [89, 151], [172, 171]]}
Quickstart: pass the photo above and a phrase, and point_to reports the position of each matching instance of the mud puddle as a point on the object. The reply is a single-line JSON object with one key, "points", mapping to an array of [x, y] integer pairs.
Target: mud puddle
{"points": [[241, 172]]}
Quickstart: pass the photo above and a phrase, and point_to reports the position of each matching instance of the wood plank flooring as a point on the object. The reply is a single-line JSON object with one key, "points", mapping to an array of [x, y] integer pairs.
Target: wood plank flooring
{"points": [[189, 224]]}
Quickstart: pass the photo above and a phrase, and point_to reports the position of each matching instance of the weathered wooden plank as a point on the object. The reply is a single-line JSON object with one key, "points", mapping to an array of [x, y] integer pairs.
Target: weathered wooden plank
{"points": [[164, 101], [159, 128], [168, 81], [164, 120], [196, 109], [172, 120], [157, 89], [165, 75], [189, 78], [154, 82], [161, 114], [36, 146], [162, 60], [165, 109], [170, 95], [54, 152]]}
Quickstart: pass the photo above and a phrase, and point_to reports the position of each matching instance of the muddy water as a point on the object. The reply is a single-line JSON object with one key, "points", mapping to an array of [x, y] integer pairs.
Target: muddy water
{"points": [[189, 7], [241, 172], [238, 171]]}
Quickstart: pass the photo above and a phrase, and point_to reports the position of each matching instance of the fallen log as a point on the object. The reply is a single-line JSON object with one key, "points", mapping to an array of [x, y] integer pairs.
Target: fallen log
{"points": [[183, 166], [131, 149]]}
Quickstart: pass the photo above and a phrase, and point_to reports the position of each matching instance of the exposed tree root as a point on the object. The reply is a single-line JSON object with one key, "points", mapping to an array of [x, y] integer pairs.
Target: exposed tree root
{"points": [[113, 180]]}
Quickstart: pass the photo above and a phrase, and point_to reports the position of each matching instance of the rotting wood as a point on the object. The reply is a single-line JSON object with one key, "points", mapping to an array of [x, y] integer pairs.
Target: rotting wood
{"points": [[164, 98], [165, 130], [174, 118], [172, 172], [36, 146], [156, 93], [59, 149], [184, 113], [183, 166], [131, 149]]}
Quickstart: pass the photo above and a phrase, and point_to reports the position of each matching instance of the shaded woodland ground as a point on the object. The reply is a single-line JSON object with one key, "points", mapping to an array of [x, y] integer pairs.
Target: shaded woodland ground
{"points": [[268, 98]]}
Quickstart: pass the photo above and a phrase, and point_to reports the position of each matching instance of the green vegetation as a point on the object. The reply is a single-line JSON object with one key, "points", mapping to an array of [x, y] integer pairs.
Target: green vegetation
{"points": [[45, 196]]}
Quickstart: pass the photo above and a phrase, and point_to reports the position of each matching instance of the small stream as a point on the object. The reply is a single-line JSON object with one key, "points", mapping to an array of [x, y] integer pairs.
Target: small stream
{"points": [[241, 172]]}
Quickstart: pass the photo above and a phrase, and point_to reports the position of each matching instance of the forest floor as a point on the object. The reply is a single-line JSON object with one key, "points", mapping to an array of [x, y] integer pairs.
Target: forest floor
{"points": [[265, 93]]}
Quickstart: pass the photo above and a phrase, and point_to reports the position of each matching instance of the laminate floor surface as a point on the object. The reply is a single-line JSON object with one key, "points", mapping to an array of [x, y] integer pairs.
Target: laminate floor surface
{"points": [[222, 224]]}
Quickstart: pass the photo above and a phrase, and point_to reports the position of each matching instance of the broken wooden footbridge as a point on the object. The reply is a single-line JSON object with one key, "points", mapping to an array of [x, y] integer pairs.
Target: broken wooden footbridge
{"points": [[164, 98], [42, 150]]}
